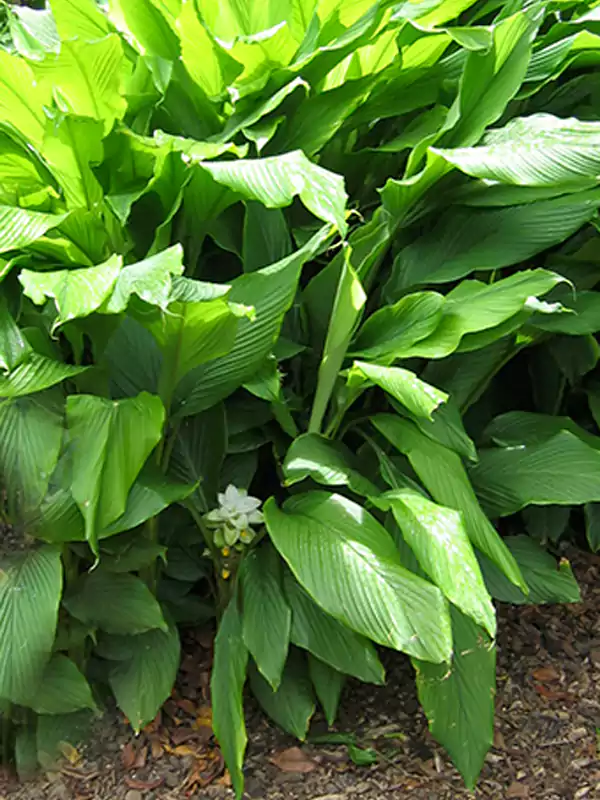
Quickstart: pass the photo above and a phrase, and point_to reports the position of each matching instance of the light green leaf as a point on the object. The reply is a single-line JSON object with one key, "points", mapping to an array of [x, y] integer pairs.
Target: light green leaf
{"points": [[563, 470], [393, 330], [22, 99], [547, 581], [20, 227], [438, 539], [85, 79], [418, 397], [329, 640], [539, 150], [36, 374], [275, 181], [33, 32], [444, 476], [81, 18], [350, 298], [459, 702], [30, 592], [120, 434], [62, 690], [267, 617], [327, 462], [328, 683], [76, 292], [145, 27], [14, 347], [149, 279], [226, 688], [350, 566], [143, 680], [119, 604], [292, 705]]}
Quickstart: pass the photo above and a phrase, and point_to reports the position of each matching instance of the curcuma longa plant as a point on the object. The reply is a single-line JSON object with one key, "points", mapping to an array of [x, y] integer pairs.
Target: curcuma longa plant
{"points": [[265, 270]]}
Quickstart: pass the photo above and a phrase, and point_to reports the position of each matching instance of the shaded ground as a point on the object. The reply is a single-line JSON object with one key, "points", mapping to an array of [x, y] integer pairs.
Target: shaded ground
{"points": [[547, 737]]}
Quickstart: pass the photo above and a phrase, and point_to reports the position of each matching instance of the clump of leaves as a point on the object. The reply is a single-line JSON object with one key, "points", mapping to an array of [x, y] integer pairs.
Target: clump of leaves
{"points": [[292, 261]]}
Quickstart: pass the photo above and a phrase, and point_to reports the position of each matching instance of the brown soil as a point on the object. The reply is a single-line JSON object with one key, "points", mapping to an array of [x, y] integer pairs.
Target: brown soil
{"points": [[547, 741]]}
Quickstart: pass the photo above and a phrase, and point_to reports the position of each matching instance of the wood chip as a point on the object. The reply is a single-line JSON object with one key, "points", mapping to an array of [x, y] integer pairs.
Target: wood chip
{"points": [[546, 674], [293, 760], [517, 789]]}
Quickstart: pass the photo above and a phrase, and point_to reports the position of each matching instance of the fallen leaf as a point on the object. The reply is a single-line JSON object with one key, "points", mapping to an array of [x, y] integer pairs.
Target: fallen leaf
{"points": [[182, 735], [71, 753], [140, 757], [546, 674], [499, 742], [128, 755], [550, 694], [203, 717], [143, 786], [187, 706], [225, 779], [156, 748], [293, 760], [517, 789]]}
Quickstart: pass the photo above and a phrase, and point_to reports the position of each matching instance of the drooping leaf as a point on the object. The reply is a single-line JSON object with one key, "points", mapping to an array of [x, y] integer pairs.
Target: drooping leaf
{"points": [[30, 593], [33, 32], [121, 434], [459, 700], [119, 604], [267, 617], [80, 18], [418, 397], [62, 690], [149, 279], [14, 347], [350, 566], [20, 227], [266, 237], [35, 374], [226, 686], [22, 106], [328, 683]]}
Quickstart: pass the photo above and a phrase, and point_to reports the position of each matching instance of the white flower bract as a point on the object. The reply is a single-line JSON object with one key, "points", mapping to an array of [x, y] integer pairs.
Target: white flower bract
{"points": [[233, 519]]}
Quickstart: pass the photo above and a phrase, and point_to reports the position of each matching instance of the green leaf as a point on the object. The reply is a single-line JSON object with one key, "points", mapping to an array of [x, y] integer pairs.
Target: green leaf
{"points": [[20, 227], [329, 463], [85, 77], [119, 604], [349, 300], [459, 702], [14, 347], [131, 554], [30, 592], [149, 279], [292, 705], [547, 583], [133, 360], [80, 18], [275, 181], [56, 731], [62, 690], [446, 427], [563, 470], [418, 397], [147, 29], [22, 106], [76, 292], [393, 330], [266, 237], [525, 428], [438, 538], [267, 617], [121, 434], [592, 525], [539, 150], [350, 566], [33, 32], [31, 432], [584, 320], [143, 678], [328, 683], [444, 476], [36, 374], [226, 688], [328, 640], [198, 453], [271, 292]]}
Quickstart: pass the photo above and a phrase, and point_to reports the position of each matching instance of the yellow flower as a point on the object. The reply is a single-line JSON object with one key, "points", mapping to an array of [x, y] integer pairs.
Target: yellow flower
{"points": [[225, 574], [225, 551]]}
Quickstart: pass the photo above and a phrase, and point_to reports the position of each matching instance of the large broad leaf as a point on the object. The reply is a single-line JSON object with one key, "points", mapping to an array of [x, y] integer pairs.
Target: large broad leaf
{"points": [[585, 318], [418, 397], [120, 604], [592, 525], [326, 462], [459, 702], [14, 347], [22, 99], [36, 374], [20, 227], [350, 566], [485, 239], [329, 640], [33, 32], [80, 18], [62, 690], [142, 677], [31, 432], [111, 440], [226, 688], [563, 470], [275, 182], [540, 150], [292, 705], [349, 300], [86, 78], [547, 581], [526, 428], [328, 683], [134, 360], [271, 292], [267, 616], [30, 592], [75, 292], [266, 237], [149, 279], [438, 538], [444, 476]]}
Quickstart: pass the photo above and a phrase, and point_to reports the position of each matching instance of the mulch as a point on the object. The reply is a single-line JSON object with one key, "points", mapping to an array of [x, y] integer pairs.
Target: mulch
{"points": [[546, 744]]}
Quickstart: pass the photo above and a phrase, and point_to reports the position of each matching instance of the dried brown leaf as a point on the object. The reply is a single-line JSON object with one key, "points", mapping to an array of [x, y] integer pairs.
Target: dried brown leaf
{"points": [[293, 760]]}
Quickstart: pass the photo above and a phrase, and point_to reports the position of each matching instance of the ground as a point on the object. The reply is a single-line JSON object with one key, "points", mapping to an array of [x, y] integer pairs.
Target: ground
{"points": [[546, 745]]}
